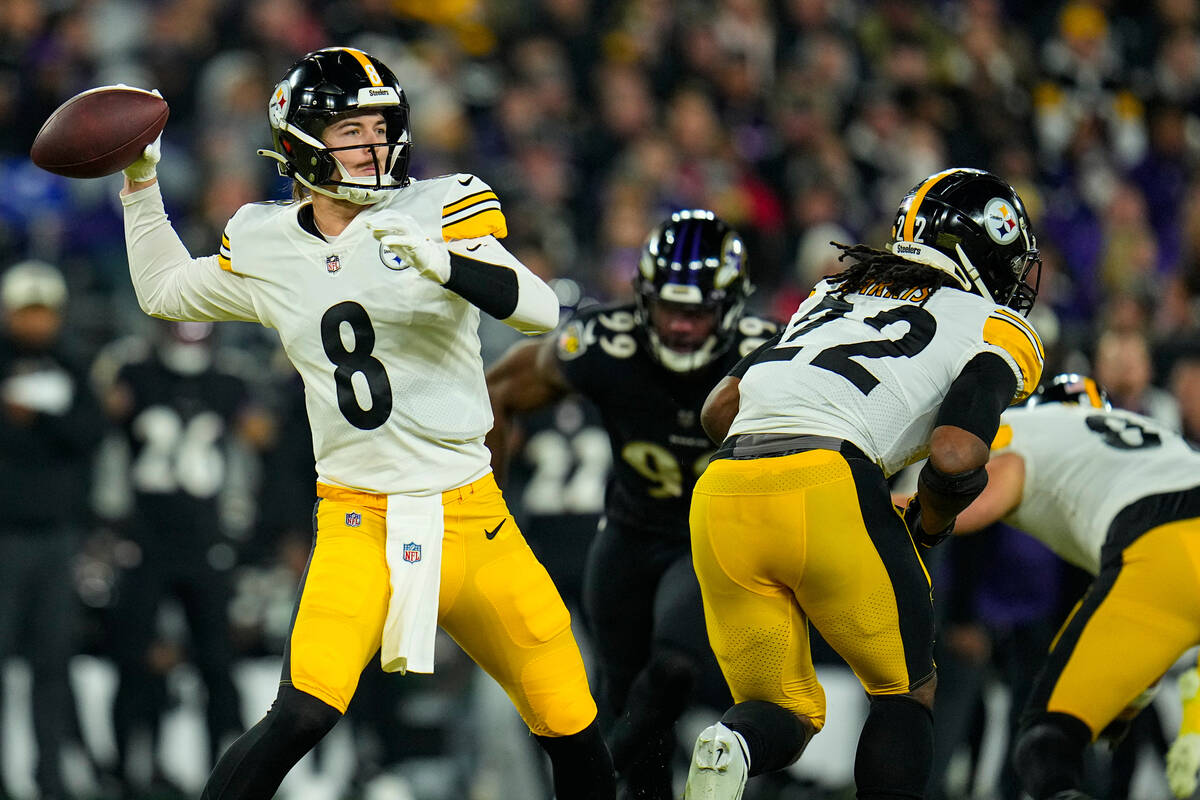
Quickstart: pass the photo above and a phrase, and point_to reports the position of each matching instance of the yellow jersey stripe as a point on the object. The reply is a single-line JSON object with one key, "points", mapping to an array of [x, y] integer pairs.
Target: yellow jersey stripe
{"points": [[1017, 318], [1004, 437], [910, 218], [224, 263], [468, 201], [1002, 332], [368, 67], [488, 221]]}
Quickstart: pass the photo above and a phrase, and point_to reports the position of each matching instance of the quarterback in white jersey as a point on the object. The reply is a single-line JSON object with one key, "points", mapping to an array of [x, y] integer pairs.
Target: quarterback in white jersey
{"points": [[375, 282], [1119, 496], [911, 351]]}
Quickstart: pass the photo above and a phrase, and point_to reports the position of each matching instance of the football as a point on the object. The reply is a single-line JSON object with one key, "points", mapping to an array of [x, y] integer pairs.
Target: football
{"points": [[99, 132]]}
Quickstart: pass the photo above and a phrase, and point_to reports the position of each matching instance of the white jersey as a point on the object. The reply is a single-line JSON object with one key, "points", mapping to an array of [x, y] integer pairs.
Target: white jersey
{"points": [[874, 369], [393, 377], [1083, 465]]}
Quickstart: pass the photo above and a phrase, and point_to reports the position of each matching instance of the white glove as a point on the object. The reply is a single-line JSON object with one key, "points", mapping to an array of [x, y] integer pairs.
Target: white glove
{"points": [[401, 235], [144, 169], [1183, 759]]}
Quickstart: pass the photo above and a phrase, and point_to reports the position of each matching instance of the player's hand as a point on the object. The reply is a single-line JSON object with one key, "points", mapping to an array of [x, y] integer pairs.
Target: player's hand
{"points": [[1183, 759], [146, 167], [401, 235], [920, 537]]}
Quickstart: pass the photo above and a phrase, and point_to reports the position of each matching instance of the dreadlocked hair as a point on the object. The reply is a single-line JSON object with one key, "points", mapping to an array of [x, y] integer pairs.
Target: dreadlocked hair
{"points": [[895, 276]]}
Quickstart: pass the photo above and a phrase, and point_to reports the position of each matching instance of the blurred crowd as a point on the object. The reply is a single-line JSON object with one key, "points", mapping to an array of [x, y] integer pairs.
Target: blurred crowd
{"points": [[799, 122]]}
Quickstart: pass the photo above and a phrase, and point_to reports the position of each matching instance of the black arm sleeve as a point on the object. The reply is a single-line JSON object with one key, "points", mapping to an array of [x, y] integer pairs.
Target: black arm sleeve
{"points": [[491, 287], [978, 395], [739, 369]]}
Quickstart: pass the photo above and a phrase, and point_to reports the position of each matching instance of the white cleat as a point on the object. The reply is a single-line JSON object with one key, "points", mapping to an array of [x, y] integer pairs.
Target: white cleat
{"points": [[720, 765], [1183, 759]]}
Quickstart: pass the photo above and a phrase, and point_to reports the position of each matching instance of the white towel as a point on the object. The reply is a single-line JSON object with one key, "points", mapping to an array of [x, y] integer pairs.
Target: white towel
{"points": [[414, 555]]}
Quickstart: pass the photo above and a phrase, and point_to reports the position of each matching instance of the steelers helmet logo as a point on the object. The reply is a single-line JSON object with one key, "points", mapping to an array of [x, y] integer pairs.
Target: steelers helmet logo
{"points": [[1000, 220], [281, 100]]}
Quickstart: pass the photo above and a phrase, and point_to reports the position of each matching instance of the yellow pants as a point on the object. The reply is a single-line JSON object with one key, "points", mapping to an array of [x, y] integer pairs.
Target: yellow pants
{"points": [[778, 542], [1137, 618], [496, 601]]}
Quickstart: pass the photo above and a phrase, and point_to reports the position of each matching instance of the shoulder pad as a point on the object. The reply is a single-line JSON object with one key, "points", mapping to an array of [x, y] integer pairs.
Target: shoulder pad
{"points": [[610, 329], [470, 209], [1011, 335], [752, 331]]}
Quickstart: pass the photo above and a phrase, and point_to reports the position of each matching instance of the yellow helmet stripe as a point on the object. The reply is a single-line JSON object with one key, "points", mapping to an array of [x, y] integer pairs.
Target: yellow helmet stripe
{"points": [[910, 218], [368, 67]]}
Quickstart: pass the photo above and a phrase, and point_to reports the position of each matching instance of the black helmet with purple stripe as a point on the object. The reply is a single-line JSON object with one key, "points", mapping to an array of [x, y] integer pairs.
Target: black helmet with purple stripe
{"points": [[692, 263]]}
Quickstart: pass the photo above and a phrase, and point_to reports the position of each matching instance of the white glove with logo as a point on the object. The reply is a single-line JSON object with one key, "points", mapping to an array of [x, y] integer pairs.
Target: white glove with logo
{"points": [[145, 168], [401, 234], [1183, 759]]}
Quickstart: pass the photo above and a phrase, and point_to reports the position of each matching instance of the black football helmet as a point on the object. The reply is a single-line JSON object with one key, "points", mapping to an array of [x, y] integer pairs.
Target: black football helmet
{"points": [[972, 225], [1069, 387], [692, 259], [319, 87]]}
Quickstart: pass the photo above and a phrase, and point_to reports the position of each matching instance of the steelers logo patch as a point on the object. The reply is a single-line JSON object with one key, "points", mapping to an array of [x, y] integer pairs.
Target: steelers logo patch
{"points": [[1000, 220], [281, 99], [390, 259]]}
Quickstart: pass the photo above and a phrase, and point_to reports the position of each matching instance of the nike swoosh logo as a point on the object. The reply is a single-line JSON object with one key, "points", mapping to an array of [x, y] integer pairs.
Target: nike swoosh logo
{"points": [[476, 247], [467, 182], [492, 533]]}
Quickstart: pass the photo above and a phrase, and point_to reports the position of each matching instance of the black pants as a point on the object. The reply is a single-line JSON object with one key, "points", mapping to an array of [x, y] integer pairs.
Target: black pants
{"points": [[38, 601], [642, 598], [203, 593]]}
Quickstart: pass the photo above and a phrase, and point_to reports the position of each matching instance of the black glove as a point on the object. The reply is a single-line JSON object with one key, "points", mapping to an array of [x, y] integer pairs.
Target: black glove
{"points": [[912, 518]]}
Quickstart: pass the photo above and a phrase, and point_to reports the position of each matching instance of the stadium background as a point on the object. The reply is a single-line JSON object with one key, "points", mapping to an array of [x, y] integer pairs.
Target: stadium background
{"points": [[798, 121]]}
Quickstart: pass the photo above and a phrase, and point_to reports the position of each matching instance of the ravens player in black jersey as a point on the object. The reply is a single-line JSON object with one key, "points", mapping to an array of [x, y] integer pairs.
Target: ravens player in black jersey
{"points": [[178, 412], [648, 367]]}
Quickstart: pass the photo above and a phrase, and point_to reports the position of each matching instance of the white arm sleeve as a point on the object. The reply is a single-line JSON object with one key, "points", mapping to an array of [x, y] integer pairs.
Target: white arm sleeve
{"points": [[169, 283], [483, 272]]}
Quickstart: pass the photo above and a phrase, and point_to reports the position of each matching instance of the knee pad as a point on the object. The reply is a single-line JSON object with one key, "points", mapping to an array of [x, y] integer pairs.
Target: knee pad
{"points": [[1048, 756]]}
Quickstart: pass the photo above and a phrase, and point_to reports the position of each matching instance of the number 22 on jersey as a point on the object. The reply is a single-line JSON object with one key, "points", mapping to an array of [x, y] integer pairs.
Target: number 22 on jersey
{"points": [[838, 356]]}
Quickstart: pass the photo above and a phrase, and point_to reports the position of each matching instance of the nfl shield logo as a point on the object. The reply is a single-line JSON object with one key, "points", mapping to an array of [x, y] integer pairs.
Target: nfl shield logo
{"points": [[353, 519], [332, 263], [412, 552]]}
